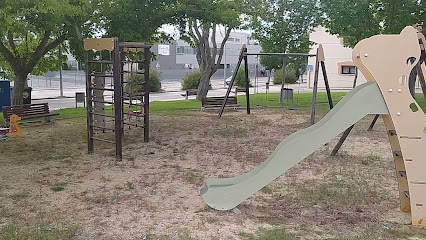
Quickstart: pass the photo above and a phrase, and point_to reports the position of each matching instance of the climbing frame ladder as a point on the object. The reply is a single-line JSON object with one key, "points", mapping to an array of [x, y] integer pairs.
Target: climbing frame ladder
{"points": [[106, 58]]}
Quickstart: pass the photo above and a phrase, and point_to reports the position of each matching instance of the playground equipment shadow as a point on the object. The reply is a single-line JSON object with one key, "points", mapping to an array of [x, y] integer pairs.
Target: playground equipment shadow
{"points": [[154, 193]]}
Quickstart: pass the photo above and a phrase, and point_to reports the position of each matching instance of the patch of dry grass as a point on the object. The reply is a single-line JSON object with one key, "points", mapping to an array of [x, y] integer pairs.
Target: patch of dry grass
{"points": [[155, 190]]}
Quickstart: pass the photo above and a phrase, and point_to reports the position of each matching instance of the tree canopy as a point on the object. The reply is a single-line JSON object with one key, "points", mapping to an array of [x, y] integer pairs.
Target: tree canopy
{"points": [[199, 22], [31, 30], [356, 20], [284, 26]]}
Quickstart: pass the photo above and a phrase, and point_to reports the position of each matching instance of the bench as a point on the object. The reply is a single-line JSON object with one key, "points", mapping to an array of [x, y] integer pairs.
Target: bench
{"points": [[239, 89], [29, 111], [215, 103], [190, 92]]}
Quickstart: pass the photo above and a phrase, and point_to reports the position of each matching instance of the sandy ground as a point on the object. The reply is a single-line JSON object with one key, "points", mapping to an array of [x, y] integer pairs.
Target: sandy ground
{"points": [[155, 190]]}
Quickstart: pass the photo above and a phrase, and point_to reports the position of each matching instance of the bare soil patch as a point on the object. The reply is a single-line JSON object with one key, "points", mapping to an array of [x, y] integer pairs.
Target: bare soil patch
{"points": [[47, 179]]}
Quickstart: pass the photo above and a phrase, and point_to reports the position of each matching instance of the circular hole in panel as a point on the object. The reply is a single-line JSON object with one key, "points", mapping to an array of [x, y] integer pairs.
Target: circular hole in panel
{"points": [[411, 60]]}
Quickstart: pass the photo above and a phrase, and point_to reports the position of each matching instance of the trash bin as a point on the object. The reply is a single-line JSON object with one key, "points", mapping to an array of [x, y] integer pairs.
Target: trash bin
{"points": [[27, 95], [286, 94], [80, 98], [5, 99]]}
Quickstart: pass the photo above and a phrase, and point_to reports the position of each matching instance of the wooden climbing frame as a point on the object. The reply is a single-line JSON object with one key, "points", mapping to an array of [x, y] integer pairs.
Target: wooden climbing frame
{"points": [[107, 58]]}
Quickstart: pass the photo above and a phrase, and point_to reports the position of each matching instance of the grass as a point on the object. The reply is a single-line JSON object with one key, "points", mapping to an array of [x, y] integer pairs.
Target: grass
{"points": [[272, 234], [301, 100], [13, 232], [58, 187], [20, 196], [46, 143]]}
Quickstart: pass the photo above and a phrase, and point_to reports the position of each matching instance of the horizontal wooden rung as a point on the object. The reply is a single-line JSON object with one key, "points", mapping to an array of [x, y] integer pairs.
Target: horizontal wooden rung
{"points": [[134, 125], [101, 89], [103, 115], [103, 140], [101, 75], [137, 72], [103, 128], [97, 101], [101, 61]]}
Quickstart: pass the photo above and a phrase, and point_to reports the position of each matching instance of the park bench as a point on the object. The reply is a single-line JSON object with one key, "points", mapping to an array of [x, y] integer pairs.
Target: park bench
{"points": [[215, 103], [239, 89], [190, 92], [29, 111]]}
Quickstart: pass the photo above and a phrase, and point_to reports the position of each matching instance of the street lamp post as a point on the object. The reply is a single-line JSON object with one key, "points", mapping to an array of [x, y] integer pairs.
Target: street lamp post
{"points": [[224, 65]]}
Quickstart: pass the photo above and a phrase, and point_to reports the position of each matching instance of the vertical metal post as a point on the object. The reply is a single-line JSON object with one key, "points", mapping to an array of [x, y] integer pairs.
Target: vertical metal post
{"points": [[147, 90], [373, 122], [315, 90], [240, 59], [327, 86], [89, 116], [247, 80], [283, 82], [419, 66], [224, 65], [356, 77], [342, 140], [421, 78], [118, 98]]}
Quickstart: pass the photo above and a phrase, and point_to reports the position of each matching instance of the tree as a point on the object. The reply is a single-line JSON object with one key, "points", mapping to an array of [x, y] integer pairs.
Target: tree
{"points": [[30, 32], [284, 26], [199, 22], [357, 20]]}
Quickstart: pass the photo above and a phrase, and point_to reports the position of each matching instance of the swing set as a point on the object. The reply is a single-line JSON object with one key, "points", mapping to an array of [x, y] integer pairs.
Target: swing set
{"points": [[320, 61]]}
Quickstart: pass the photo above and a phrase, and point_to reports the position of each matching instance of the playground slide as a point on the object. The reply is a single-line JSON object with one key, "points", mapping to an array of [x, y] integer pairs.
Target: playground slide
{"points": [[227, 193]]}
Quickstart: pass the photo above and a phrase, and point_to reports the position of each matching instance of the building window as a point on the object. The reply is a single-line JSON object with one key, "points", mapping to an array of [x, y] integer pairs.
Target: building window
{"points": [[348, 70], [185, 50], [234, 39]]}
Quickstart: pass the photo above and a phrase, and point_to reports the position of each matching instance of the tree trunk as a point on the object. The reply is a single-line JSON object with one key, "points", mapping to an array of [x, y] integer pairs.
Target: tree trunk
{"points": [[18, 88], [204, 86]]}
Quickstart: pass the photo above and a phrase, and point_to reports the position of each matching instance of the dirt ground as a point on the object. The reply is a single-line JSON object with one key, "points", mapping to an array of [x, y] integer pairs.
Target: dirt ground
{"points": [[48, 181]]}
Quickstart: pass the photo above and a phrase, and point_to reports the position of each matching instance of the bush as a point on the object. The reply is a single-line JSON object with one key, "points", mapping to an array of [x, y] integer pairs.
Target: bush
{"points": [[191, 80], [290, 75], [240, 79], [138, 79]]}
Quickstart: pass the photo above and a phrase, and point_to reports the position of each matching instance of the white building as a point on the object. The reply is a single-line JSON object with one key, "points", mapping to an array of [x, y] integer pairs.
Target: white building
{"points": [[181, 57], [338, 61]]}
